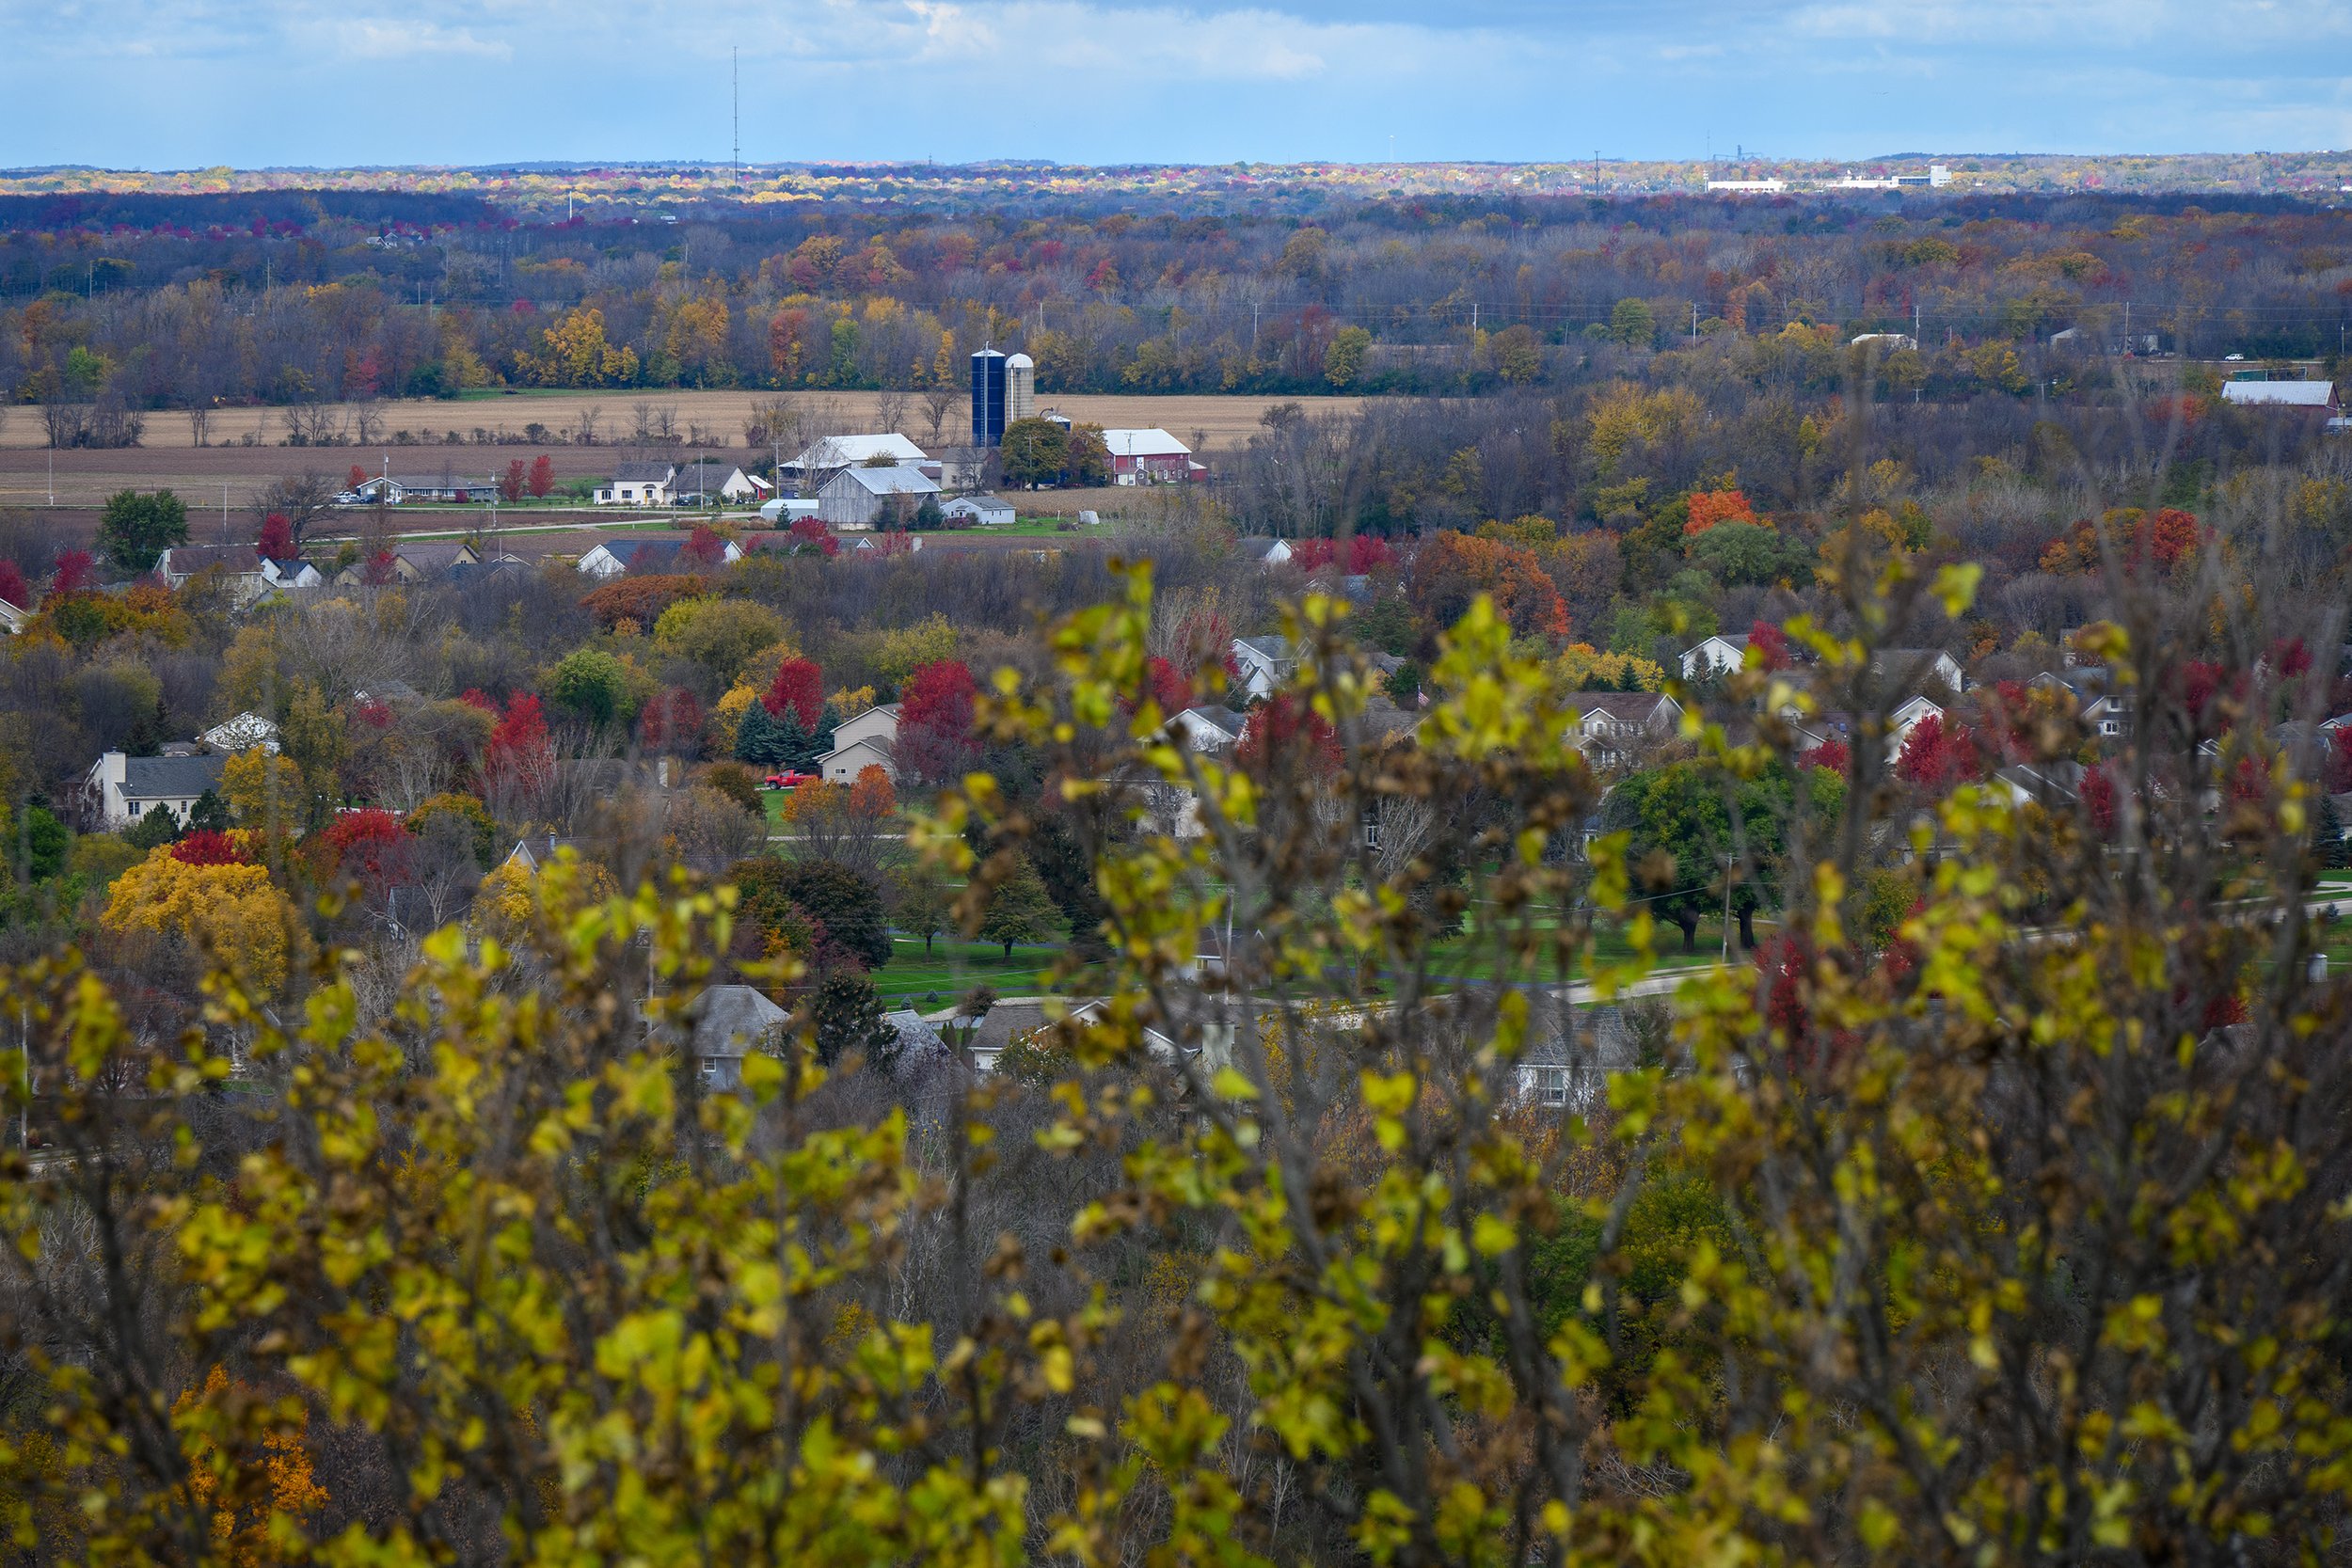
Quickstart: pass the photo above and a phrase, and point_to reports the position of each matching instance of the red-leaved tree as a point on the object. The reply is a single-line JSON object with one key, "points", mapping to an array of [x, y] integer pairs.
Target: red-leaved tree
{"points": [[704, 547], [12, 586], [1287, 734], [1829, 753], [1772, 643], [208, 846], [936, 740], [810, 534], [1937, 757], [368, 846], [357, 477], [542, 475], [670, 725], [519, 764], [277, 542], [800, 685], [512, 483], [76, 573]]}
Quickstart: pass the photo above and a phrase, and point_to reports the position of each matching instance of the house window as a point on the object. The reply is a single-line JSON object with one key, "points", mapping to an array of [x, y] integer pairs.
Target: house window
{"points": [[1551, 1086], [2108, 726], [711, 1070]]}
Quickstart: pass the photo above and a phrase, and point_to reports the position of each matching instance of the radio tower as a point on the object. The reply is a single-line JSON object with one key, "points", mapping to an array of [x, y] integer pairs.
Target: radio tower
{"points": [[735, 83]]}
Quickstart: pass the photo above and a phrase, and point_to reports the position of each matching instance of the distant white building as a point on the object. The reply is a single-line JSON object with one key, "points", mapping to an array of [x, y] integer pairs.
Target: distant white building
{"points": [[987, 511], [639, 484], [1266, 663], [1717, 656], [2279, 394], [820, 459], [242, 734], [746, 488], [1617, 728]]}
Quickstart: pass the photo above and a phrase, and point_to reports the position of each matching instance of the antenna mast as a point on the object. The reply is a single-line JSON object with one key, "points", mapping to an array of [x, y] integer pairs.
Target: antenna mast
{"points": [[735, 79]]}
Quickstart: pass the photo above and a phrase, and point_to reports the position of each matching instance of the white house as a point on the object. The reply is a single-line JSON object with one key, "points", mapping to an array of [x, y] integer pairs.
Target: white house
{"points": [[1148, 457], [730, 1023], [122, 789], [862, 498], [242, 734], [987, 511], [1211, 729], [1616, 728], [639, 484], [1267, 662], [1268, 553], [1906, 719], [1717, 656], [862, 742], [1927, 667], [1568, 1068], [743, 488], [248, 574], [645, 552], [12, 617]]}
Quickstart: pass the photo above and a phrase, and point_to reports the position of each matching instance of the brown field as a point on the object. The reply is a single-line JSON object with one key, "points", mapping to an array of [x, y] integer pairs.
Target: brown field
{"points": [[168, 458]]}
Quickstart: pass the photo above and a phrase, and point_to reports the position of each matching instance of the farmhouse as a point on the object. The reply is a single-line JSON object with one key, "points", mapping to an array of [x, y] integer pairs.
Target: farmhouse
{"points": [[120, 790], [987, 511], [1148, 457], [639, 484], [863, 498]]}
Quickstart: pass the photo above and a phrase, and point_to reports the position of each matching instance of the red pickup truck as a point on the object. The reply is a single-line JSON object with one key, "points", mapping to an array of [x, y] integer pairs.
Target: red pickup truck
{"points": [[787, 780]]}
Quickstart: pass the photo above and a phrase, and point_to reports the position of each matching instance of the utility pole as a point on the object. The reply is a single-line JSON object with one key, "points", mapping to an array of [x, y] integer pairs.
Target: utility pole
{"points": [[1727, 910], [735, 78], [224, 513]]}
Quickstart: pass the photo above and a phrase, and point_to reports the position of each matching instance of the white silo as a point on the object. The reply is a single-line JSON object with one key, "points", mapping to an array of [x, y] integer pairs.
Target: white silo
{"points": [[1020, 389]]}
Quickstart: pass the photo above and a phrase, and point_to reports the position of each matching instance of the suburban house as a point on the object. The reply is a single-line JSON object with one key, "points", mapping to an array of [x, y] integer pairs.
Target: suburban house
{"points": [[1265, 552], [12, 617], [245, 568], [987, 511], [533, 853], [416, 562], [823, 459], [1567, 1066], [122, 789], [862, 742], [1618, 728], [242, 734], [649, 552], [1148, 457], [639, 484], [1717, 656], [1920, 668], [864, 497], [730, 1023], [1012, 1018], [1267, 662], [1906, 719], [1211, 729], [2319, 395], [2111, 716], [746, 488]]}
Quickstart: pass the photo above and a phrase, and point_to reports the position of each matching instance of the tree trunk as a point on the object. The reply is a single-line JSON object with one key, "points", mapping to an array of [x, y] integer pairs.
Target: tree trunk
{"points": [[1747, 928], [1689, 924]]}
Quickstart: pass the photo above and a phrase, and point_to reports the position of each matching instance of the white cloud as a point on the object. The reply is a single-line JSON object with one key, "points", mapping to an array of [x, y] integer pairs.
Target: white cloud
{"points": [[368, 40]]}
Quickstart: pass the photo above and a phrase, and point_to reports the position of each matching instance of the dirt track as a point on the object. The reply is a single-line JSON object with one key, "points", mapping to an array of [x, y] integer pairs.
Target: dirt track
{"points": [[167, 457]]}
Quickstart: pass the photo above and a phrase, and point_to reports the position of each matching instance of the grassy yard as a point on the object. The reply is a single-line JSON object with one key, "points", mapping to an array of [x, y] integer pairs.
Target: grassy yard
{"points": [[952, 968]]}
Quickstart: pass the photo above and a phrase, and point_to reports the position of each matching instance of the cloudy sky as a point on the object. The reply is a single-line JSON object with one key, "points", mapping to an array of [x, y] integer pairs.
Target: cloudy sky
{"points": [[176, 84]]}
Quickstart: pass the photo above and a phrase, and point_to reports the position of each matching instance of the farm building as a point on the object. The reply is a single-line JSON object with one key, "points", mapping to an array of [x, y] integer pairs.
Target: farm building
{"points": [[2279, 394], [1148, 457], [862, 498], [823, 459]]}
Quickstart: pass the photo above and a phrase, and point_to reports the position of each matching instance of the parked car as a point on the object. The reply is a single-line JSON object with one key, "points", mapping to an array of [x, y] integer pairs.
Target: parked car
{"points": [[789, 780]]}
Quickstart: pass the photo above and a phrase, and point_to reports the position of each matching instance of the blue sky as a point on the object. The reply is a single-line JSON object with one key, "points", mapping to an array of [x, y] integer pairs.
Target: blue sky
{"points": [[175, 84]]}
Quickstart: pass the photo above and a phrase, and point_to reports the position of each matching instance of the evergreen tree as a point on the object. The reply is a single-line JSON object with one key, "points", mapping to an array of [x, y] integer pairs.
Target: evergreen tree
{"points": [[154, 831], [846, 1012], [209, 815], [148, 732], [791, 739], [756, 739], [2327, 837]]}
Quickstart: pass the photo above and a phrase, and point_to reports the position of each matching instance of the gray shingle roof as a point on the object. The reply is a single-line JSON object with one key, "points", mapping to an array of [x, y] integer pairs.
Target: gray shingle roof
{"points": [[169, 778], [643, 473], [735, 1020]]}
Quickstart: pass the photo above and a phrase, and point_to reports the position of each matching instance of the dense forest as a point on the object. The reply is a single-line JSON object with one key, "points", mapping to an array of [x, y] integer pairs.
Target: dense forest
{"points": [[288, 297]]}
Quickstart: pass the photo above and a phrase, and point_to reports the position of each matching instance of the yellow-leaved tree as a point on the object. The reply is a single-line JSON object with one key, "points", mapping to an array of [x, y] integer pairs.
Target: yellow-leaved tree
{"points": [[229, 911]]}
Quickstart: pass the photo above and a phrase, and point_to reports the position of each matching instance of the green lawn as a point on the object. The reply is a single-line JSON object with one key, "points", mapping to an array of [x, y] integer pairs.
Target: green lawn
{"points": [[953, 967]]}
